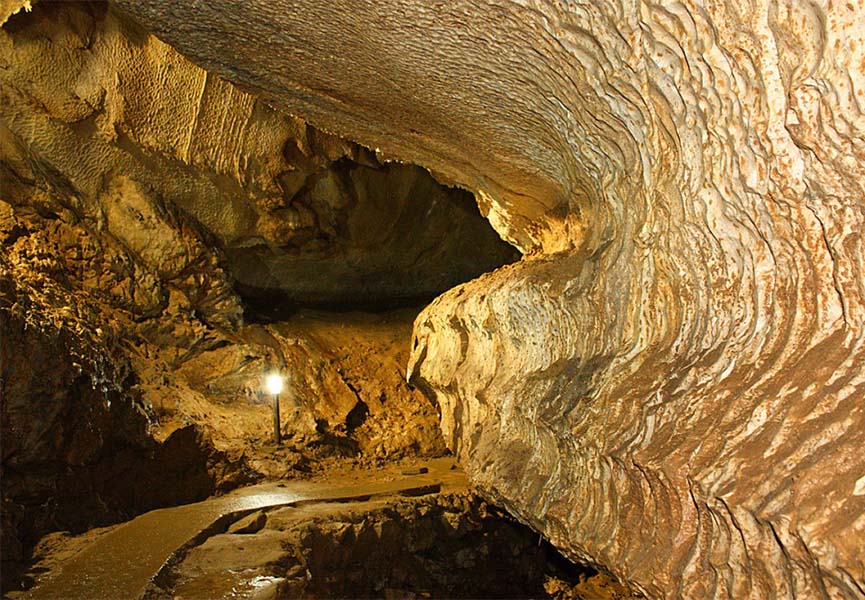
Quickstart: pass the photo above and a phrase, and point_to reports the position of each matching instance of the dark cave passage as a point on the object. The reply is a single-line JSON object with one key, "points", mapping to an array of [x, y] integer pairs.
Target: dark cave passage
{"points": [[366, 236], [200, 197], [331, 308]]}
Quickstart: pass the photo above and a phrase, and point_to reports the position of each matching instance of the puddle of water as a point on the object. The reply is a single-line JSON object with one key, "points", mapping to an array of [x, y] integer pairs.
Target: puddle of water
{"points": [[228, 586]]}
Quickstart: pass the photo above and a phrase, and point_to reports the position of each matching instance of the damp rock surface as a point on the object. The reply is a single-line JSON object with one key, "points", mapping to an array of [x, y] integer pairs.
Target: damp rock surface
{"points": [[410, 530], [160, 229], [671, 384], [165, 158], [440, 545]]}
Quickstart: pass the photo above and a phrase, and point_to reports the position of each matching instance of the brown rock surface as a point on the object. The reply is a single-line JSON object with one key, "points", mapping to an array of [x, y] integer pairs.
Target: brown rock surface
{"points": [[672, 384], [441, 545], [139, 143], [249, 524], [108, 410], [145, 206]]}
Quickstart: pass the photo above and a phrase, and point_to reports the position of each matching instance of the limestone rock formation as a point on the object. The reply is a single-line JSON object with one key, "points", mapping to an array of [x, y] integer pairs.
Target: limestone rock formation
{"points": [[671, 384], [137, 141]]}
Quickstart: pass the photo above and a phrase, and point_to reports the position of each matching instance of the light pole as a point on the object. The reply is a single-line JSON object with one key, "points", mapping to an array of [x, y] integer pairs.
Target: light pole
{"points": [[274, 386]]}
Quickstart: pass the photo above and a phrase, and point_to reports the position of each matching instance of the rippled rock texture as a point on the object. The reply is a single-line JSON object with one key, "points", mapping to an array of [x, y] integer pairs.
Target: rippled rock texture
{"points": [[672, 383], [136, 141], [151, 213]]}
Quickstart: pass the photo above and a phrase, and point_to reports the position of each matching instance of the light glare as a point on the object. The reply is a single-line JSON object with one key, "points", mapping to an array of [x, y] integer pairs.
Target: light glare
{"points": [[274, 383]]}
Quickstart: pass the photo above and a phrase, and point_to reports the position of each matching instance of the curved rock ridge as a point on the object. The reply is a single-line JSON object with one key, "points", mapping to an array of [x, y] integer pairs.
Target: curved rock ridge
{"points": [[129, 180], [672, 384]]}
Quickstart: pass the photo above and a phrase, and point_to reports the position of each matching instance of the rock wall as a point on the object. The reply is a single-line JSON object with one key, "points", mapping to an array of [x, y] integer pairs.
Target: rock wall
{"points": [[133, 138], [671, 384], [141, 193], [81, 443], [144, 204]]}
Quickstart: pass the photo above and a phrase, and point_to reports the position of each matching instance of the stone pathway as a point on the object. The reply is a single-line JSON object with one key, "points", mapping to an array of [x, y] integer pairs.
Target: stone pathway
{"points": [[122, 563]]}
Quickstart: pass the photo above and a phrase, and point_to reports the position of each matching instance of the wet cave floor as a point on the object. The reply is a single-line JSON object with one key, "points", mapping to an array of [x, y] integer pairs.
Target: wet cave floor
{"points": [[415, 530], [360, 500]]}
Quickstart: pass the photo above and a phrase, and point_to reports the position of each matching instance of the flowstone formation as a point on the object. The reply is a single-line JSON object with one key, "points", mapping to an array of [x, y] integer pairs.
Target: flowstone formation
{"points": [[671, 383]]}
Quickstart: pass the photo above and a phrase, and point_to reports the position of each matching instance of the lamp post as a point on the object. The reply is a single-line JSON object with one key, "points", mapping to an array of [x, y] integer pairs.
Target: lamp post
{"points": [[274, 386]]}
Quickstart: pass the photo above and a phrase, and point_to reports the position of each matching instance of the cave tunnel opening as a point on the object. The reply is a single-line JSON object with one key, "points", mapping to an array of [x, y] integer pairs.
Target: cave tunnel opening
{"points": [[365, 236], [330, 282]]}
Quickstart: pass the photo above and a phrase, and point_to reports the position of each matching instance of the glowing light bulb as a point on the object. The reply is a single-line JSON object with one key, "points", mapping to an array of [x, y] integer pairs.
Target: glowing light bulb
{"points": [[274, 383]]}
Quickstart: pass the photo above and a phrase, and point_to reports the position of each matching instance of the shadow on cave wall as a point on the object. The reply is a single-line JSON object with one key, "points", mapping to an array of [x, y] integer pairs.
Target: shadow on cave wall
{"points": [[347, 233], [76, 454]]}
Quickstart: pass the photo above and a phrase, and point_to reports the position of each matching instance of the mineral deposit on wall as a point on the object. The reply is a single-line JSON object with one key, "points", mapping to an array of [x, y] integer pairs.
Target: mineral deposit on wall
{"points": [[671, 384]]}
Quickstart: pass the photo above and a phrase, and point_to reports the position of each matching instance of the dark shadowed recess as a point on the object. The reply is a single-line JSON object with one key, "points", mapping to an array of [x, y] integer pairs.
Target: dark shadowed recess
{"points": [[77, 456], [373, 239]]}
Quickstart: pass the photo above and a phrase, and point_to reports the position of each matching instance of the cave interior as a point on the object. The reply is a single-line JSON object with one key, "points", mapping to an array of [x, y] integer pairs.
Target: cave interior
{"points": [[411, 300]]}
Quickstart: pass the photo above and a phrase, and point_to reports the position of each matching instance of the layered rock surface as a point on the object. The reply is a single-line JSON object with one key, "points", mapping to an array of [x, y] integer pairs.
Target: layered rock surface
{"points": [[136, 141], [672, 383]]}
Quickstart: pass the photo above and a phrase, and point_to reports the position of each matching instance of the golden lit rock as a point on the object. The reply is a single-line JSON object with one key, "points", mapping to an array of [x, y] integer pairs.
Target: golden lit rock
{"points": [[672, 384], [669, 384]]}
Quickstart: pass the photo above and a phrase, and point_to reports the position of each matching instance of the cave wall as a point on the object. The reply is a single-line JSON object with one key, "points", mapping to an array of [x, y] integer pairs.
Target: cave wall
{"points": [[140, 193], [80, 442], [671, 384], [119, 128], [131, 180]]}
